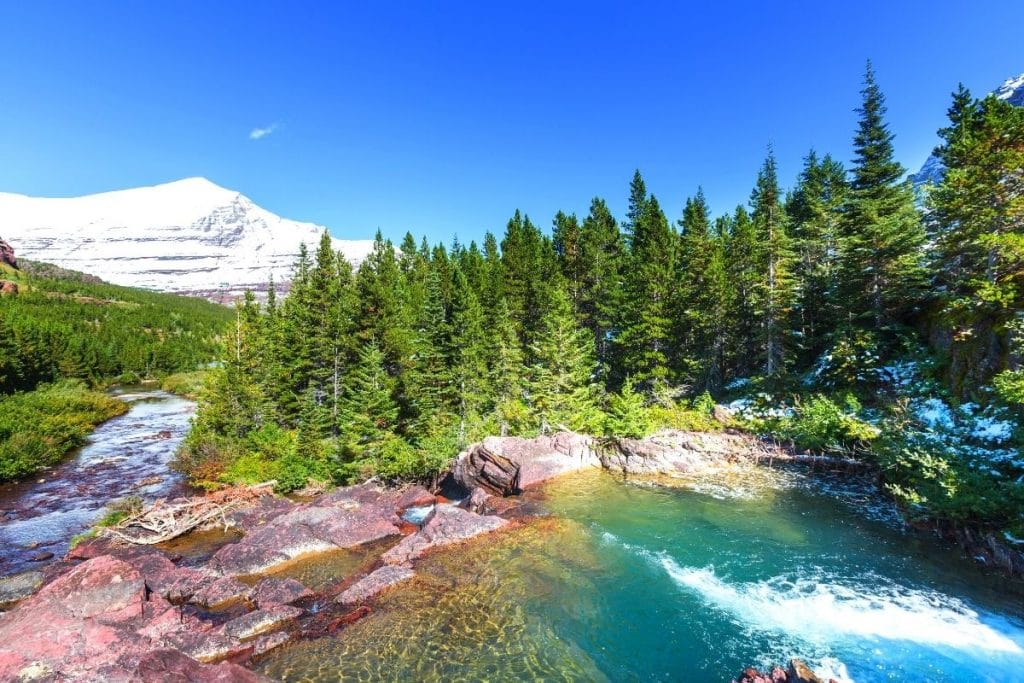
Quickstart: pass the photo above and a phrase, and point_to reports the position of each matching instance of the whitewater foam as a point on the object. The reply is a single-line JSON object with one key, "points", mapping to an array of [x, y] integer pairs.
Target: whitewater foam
{"points": [[823, 612]]}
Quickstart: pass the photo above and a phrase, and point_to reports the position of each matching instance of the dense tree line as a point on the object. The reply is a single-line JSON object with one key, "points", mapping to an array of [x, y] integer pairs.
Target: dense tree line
{"points": [[391, 367], [72, 328]]}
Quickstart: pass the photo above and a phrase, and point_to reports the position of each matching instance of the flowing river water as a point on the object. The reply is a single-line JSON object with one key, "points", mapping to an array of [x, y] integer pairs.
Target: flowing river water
{"points": [[127, 455], [630, 582], [620, 581]]}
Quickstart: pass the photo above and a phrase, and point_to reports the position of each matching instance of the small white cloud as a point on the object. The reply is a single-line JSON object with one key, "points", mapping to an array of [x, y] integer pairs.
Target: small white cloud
{"points": [[258, 133]]}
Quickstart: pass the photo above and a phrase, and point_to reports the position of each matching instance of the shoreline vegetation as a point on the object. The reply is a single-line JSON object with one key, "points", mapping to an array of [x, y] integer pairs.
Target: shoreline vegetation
{"points": [[836, 316], [66, 336]]}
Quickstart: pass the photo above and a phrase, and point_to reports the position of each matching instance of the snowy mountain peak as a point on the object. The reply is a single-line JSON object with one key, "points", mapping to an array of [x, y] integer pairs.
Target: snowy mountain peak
{"points": [[1012, 90], [931, 172], [187, 236]]}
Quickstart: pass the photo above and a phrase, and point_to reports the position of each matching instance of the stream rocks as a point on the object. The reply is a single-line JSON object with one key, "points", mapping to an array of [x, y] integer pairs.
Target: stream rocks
{"points": [[118, 612], [796, 672]]}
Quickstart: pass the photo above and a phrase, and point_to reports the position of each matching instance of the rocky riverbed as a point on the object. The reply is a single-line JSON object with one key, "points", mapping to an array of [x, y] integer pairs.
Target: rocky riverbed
{"points": [[116, 611]]}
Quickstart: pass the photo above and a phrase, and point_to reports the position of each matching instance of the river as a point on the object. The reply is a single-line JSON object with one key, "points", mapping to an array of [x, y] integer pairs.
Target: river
{"points": [[127, 455], [630, 582]]}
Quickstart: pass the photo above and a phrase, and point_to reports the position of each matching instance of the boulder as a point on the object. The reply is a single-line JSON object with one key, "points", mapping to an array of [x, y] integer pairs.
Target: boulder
{"points": [[7, 255], [105, 587], [375, 583], [507, 465], [18, 587], [274, 591], [799, 672], [674, 452], [8, 288], [447, 524]]}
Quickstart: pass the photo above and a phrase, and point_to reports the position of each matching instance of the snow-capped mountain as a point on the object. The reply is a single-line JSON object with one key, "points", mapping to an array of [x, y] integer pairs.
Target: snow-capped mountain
{"points": [[931, 172], [188, 236]]}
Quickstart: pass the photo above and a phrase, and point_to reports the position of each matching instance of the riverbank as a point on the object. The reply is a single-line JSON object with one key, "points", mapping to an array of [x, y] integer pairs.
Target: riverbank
{"points": [[39, 428], [390, 581], [127, 455]]}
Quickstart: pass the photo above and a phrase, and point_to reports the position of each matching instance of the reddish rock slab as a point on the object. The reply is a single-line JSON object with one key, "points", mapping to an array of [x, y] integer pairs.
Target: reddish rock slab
{"points": [[445, 525], [265, 509], [212, 646], [221, 592], [274, 591], [170, 666], [375, 583], [103, 587], [261, 621], [236, 559]]}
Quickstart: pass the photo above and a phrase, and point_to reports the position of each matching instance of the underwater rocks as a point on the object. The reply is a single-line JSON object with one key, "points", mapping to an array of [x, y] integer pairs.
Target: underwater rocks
{"points": [[375, 583], [445, 525], [797, 672], [119, 612]]}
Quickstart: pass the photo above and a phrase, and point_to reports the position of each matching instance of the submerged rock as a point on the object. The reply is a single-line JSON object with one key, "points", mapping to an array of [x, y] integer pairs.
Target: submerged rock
{"points": [[171, 666], [18, 587], [375, 583], [262, 620], [447, 524], [274, 591]]}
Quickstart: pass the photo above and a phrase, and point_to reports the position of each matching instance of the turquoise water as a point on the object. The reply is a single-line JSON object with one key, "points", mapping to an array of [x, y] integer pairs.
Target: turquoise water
{"points": [[639, 582]]}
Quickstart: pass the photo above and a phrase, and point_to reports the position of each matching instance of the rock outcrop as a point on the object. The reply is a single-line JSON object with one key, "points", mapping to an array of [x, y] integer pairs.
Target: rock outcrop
{"points": [[505, 466], [7, 254], [796, 672], [134, 613]]}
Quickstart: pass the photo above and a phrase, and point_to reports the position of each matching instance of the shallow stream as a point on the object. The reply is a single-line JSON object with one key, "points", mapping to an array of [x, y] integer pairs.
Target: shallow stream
{"points": [[127, 455]]}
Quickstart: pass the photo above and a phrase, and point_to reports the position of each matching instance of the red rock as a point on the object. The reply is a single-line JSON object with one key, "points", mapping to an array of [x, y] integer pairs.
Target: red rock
{"points": [[103, 587], [415, 496], [506, 465], [274, 591], [261, 621], [374, 584], [221, 592], [799, 672], [171, 666], [446, 524], [7, 255], [8, 288]]}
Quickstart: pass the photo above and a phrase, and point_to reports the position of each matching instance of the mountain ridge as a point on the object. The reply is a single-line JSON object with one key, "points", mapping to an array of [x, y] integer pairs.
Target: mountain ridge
{"points": [[188, 236]]}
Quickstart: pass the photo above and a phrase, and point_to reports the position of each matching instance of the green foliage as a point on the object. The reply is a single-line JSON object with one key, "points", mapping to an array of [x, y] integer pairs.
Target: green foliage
{"points": [[627, 413], [55, 328], [37, 428], [823, 425], [187, 384], [1009, 385]]}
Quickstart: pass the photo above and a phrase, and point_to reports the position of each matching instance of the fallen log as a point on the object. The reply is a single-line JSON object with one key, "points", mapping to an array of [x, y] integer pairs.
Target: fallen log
{"points": [[164, 520]]}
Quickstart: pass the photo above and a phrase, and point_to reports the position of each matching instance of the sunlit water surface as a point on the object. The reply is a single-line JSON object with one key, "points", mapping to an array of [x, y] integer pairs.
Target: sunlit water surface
{"points": [[691, 581], [126, 455]]}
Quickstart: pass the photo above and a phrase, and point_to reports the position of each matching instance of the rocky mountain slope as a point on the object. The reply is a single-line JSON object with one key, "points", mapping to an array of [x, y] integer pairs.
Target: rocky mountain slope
{"points": [[1012, 90], [190, 236]]}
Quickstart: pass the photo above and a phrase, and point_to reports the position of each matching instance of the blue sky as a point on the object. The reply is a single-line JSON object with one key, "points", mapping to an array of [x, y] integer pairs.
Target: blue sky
{"points": [[442, 118]]}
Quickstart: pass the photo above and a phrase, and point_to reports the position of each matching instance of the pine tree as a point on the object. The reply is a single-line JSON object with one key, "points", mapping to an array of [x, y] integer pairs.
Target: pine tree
{"points": [[429, 382], [814, 210], [369, 410], [743, 259], [568, 244], [776, 288], [881, 263], [602, 253], [645, 337], [468, 352], [561, 385]]}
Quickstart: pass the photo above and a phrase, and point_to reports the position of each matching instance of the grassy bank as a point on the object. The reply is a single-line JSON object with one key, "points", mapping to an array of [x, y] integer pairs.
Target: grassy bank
{"points": [[38, 428], [186, 384]]}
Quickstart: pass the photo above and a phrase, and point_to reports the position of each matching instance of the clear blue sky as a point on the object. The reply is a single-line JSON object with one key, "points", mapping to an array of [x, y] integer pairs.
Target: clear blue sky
{"points": [[442, 118]]}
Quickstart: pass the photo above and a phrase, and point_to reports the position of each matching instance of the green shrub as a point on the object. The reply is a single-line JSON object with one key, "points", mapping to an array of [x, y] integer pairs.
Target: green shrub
{"points": [[38, 428], [820, 424], [187, 384]]}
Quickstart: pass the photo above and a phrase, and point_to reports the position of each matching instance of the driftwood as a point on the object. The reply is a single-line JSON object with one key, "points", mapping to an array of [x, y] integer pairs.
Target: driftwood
{"points": [[164, 520]]}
